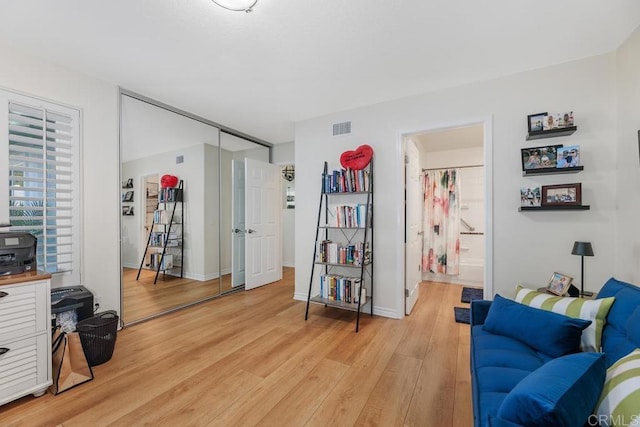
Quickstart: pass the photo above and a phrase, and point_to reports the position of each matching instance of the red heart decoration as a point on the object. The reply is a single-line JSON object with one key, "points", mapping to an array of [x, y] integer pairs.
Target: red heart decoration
{"points": [[357, 159], [168, 181]]}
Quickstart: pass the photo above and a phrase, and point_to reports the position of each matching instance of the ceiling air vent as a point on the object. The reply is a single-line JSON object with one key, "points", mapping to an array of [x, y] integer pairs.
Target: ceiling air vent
{"points": [[341, 128]]}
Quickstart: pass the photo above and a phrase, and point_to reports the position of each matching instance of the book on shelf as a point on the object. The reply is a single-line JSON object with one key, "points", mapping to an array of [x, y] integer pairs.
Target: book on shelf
{"points": [[340, 288], [351, 215], [162, 216], [170, 195], [164, 262], [159, 238], [346, 181], [333, 253]]}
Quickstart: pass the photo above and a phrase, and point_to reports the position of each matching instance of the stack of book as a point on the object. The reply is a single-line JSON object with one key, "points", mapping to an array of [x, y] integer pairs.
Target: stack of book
{"points": [[351, 216], [332, 253], [345, 181], [165, 262], [340, 288]]}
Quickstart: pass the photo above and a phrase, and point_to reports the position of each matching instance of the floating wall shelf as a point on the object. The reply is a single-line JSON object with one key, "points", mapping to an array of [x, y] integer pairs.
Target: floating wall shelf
{"points": [[555, 208], [551, 133], [552, 171]]}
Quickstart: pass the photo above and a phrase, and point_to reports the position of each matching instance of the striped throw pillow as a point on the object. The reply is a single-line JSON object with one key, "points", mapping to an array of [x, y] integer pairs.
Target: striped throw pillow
{"points": [[619, 403], [595, 310]]}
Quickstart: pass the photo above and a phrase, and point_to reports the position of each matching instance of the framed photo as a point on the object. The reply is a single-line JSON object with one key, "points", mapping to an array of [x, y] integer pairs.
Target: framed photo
{"points": [[562, 195], [564, 120], [539, 157], [535, 122], [568, 157], [128, 183], [127, 210], [559, 283], [530, 196], [127, 197]]}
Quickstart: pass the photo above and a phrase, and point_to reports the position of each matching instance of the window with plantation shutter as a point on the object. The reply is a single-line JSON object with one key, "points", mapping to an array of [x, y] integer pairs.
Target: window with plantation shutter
{"points": [[43, 147]]}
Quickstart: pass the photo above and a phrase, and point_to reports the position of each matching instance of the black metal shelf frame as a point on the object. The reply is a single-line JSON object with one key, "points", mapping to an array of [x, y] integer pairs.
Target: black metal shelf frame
{"points": [[177, 199], [349, 235]]}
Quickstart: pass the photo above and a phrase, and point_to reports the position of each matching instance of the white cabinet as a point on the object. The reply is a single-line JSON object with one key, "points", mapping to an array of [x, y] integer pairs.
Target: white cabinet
{"points": [[25, 336]]}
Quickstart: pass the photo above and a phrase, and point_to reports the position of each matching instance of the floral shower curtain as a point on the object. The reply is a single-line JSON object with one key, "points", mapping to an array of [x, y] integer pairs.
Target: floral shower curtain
{"points": [[441, 222]]}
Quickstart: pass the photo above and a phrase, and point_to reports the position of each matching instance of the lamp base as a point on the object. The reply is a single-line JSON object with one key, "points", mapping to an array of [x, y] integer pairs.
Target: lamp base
{"points": [[586, 294]]}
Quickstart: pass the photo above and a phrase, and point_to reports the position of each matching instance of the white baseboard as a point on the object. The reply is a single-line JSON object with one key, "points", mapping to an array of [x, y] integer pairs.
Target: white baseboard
{"points": [[378, 311]]}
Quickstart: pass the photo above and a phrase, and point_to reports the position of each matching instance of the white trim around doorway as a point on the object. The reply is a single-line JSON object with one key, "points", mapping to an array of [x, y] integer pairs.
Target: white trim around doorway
{"points": [[487, 123]]}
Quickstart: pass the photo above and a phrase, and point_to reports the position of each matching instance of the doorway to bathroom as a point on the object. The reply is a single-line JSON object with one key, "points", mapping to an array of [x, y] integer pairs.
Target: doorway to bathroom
{"points": [[446, 208]]}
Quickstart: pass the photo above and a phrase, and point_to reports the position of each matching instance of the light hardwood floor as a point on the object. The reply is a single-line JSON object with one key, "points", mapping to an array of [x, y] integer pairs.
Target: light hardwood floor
{"points": [[249, 358], [143, 298]]}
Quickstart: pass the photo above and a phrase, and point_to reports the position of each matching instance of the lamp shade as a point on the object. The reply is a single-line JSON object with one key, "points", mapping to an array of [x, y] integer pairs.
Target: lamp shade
{"points": [[582, 248]]}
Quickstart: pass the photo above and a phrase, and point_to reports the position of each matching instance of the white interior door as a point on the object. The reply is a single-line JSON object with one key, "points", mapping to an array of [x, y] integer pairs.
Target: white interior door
{"points": [[237, 224], [413, 225], [263, 241]]}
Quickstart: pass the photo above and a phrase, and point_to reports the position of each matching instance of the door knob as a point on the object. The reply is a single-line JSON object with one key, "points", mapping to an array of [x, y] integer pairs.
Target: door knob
{"points": [[251, 231], [236, 230]]}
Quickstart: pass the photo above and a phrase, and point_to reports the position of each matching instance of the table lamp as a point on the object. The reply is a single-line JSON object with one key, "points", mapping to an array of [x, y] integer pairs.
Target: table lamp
{"points": [[583, 249]]}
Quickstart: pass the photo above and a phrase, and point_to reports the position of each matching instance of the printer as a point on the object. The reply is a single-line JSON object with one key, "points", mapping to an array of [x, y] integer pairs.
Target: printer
{"points": [[17, 252]]}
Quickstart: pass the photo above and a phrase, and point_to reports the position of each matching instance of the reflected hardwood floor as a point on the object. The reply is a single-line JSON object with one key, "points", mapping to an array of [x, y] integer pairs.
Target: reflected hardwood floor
{"points": [[250, 359], [143, 299]]}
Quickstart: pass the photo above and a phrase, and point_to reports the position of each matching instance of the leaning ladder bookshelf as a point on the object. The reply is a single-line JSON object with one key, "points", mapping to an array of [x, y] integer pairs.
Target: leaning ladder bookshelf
{"points": [[166, 233], [342, 268]]}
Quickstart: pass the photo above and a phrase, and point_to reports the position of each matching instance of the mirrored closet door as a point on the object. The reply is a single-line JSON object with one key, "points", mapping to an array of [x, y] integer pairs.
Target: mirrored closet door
{"points": [[203, 252]]}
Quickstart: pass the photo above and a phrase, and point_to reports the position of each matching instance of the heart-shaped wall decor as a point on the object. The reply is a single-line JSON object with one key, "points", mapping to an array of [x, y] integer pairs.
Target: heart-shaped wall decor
{"points": [[168, 181], [357, 159]]}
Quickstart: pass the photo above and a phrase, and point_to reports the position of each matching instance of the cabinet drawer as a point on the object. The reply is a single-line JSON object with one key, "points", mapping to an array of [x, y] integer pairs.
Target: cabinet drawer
{"points": [[23, 310], [24, 365]]}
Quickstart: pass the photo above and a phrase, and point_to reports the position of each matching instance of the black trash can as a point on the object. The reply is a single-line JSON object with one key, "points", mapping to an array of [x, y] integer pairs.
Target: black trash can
{"points": [[98, 336]]}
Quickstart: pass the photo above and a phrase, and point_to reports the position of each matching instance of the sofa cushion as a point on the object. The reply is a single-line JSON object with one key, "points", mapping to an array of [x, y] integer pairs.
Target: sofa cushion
{"points": [[547, 332], [619, 402], [498, 364], [621, 335], [594, 310], [560, 393]]}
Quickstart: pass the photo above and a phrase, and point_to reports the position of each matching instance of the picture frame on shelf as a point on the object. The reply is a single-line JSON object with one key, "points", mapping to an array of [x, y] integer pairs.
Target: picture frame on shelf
{"points": [[568, 157], [535, 122], [549, 122], [127, 196], [559, 283], [539, 157], [530, 197], [562, 195], [565, 120]]}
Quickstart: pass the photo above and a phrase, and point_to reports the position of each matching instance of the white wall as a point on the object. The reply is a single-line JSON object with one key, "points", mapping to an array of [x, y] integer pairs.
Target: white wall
{"points": [[284, 154], [100, 194], [527, 247], [627, 248], [451, 158]]}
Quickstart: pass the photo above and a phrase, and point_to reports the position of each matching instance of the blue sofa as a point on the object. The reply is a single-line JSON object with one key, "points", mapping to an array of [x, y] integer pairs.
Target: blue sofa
{"points": [[499, 363]]}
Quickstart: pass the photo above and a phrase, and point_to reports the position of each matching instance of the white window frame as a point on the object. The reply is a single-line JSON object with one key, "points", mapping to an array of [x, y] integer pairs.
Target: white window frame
{"points": [[72, 275]]}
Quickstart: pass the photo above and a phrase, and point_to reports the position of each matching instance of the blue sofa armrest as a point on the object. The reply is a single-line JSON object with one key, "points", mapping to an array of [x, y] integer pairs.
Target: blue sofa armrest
{"points": [[479, 310]]}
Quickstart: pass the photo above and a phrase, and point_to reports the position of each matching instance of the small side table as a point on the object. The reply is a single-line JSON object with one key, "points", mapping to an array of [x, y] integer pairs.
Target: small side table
{"points": [[586, 294]]}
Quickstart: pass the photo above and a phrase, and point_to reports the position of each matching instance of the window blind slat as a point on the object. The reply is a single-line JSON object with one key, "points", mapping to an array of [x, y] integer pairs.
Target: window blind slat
{"points": [[41, 180]]}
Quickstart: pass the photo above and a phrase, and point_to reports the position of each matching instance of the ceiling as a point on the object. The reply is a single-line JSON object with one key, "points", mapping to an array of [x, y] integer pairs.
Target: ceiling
{"points": [[291, 60]]}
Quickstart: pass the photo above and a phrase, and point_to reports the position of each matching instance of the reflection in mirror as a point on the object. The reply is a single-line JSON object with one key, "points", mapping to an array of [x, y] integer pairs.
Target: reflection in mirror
{"points": [[208, 252], [157, 142], [234, 151]]}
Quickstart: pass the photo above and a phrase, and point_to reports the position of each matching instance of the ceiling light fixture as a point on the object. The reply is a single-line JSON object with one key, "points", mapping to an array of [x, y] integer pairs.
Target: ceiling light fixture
{"points": [[237, 5]]}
